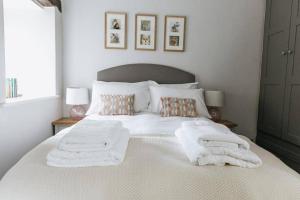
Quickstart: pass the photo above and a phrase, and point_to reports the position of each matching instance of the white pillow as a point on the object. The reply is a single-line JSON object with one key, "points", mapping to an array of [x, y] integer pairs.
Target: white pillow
{"points": [[140, 91], [183, 86], [197, 94]]}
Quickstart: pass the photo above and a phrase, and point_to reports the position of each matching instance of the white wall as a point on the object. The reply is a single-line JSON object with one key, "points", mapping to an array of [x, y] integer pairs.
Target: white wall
{"points": [[223, 46], [30, 47], [2, 56], [23, 125], [58, 52]]}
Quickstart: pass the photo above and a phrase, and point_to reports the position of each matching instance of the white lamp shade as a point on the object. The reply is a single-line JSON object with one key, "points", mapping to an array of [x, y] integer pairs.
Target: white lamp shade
{"points": [[214, 98], [77, 96]]}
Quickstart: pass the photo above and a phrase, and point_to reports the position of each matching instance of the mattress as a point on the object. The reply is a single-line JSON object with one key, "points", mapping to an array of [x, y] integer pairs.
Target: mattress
{"points": [[155, 167]]}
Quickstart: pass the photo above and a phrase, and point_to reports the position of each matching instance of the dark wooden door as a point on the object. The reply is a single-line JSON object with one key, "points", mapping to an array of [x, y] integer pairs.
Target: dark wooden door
{"points": [[291, 125], [274, 66]]}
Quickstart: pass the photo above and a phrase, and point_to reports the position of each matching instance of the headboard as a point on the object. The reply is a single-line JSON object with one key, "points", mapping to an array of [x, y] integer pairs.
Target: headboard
{"points": [[142, 72]]}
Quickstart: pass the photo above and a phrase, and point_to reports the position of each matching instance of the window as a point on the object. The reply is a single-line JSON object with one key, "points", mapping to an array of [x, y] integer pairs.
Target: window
{"points": [[29, 41]]}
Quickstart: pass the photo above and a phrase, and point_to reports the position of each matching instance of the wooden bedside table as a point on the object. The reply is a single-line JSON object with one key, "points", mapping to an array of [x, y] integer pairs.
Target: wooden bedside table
{"points": [[65, 121], [231, 125]]}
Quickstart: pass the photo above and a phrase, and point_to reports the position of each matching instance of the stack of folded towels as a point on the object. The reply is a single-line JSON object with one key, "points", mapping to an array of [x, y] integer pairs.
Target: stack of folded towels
{"points": [[208, 143], [91, 143]]}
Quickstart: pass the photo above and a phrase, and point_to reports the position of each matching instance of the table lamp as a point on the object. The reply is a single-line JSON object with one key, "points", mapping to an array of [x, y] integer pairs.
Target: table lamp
{"points": [[77, 97], [214, 100]]}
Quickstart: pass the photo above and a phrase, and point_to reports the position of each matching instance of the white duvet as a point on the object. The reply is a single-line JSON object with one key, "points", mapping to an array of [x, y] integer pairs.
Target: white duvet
{"points": [[147, 124]]}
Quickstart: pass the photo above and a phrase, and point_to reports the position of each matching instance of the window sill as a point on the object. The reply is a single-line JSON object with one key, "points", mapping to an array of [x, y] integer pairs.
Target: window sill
{"points": [[24, 100]]}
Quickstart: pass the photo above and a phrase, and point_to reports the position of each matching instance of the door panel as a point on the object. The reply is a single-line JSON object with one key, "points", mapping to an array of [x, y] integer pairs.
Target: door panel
{"points": [[276, 62], [291, 131], [272, 111], [291, 123], [298, 8], [274, 66], [280, 13], [296, 51], [294, 111]]}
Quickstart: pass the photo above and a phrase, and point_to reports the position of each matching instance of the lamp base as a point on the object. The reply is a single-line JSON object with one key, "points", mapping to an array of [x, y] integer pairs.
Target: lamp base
{"points": [[77, 112], [215, 113]]}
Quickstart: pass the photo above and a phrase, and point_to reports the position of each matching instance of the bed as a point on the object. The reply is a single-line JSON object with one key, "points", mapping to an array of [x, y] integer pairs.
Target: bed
{"points": [[155, 166]]}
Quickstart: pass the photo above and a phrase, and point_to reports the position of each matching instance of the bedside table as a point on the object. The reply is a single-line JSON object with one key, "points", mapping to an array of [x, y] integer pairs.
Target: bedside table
{"points": [[63, 122], [231, 125]]}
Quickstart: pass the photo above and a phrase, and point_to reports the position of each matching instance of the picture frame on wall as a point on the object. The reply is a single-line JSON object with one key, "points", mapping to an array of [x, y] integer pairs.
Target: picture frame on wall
{"points": [[115, 30], [145, 32], [174, 39]]}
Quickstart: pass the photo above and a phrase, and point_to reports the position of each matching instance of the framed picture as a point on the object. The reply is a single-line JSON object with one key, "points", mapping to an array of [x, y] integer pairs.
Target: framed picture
{"points": [[145, 32], [174, 33], [115, 30]]}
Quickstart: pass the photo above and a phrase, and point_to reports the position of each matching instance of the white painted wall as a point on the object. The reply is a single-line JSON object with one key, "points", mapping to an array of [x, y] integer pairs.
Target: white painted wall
{"points": [[30, 47], [2, 56], [58, 52], [25, 124], [223, 46]]}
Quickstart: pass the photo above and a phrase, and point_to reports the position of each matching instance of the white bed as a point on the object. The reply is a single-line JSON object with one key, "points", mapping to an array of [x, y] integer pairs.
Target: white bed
{"points": [[155, 167]]}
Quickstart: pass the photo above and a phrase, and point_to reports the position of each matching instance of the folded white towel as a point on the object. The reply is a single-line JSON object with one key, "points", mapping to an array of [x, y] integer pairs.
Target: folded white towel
{"points": [[221, 160], [113, 156], [191, 148], [92, 135], [203, 130], [240, 155], [207, 144], [218, 144]]}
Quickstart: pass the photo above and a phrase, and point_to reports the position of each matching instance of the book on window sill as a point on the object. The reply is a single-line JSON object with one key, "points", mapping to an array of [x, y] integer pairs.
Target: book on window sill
{"points": [[11, 88]]}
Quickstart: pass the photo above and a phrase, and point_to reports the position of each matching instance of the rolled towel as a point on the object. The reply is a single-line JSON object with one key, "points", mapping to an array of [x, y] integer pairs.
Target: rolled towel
{"points": [[92, 135], [203, 130], [113, 156]]}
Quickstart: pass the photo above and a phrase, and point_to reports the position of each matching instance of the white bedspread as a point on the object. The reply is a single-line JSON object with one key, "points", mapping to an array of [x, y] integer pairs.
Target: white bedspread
{"points": [[155, 168]]}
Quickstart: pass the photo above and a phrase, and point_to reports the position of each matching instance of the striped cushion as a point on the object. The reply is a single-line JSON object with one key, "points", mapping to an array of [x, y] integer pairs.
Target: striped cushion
{"points": [[172, 106], [117, 105]]}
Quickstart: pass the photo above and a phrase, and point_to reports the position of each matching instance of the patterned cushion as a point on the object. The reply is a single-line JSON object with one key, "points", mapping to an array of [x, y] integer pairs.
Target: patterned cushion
{"points": [[172, 106], [117, 105]]}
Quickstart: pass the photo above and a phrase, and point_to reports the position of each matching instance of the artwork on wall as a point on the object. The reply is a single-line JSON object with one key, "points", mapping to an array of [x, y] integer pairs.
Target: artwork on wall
{"points": [[115, 30], [174, 33], [145, 32]]}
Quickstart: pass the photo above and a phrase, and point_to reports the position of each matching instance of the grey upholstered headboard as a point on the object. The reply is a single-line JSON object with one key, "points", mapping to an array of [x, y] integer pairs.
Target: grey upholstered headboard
{"points": [[143, 72]]}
